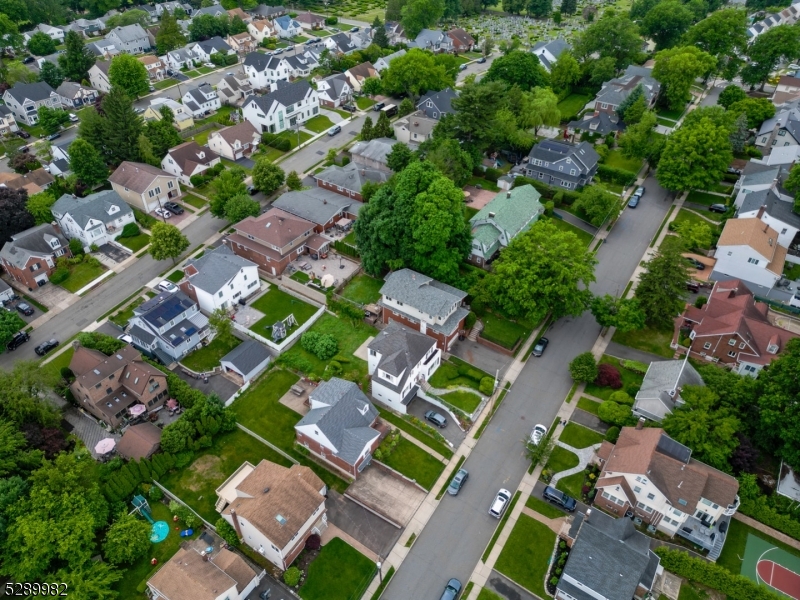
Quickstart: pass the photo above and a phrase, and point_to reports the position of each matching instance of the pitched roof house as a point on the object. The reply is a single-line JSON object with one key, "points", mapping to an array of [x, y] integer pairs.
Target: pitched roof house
{"points": [[384, 61], [139, 441], [261, 30], [319, 206], [787, 90], [130, 38], [460, 40], [236, 141], [268, 12], [201, 100], [349, 180], [242, 42], [182, 117], [285, 105], [334, 90], [433, 40], [340, 427], [549, 51], [219, 279], [783, 129], [749, 249], [74, 95], [144, 186], [247, 360], [55, 33], [286, 26], [274, 509], [24, 99], [204, 49], [340, 43], [562, 164], [180, 57], [310, 21], [373, 154], [414, 128], [187, 159], [356, 76], [30, 257], [32, 182], [8, 124], [773, 209], [156, 68], [437, 104], [660, 391], [232, 90], [98, 76], [95, 219], [238, 12], [614, 92], [262, 70]]}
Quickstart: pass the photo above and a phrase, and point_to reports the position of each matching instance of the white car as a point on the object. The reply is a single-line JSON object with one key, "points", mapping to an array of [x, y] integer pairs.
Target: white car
{"points": [[125, 338], [162, 212], [167, 286], [210, 65], [539, 431], [73, 117], [500, 503]]}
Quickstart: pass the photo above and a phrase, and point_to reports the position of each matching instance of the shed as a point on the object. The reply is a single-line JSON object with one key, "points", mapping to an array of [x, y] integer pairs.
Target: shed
{"points": [[139, 441], [248, 359]]}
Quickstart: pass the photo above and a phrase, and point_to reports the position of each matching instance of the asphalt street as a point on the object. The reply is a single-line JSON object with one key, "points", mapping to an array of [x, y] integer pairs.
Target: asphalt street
{"points": [[459, 530]]}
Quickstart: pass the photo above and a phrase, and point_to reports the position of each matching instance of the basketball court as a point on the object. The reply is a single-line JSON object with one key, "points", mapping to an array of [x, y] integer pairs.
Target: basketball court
{"points": [[771, 566]]}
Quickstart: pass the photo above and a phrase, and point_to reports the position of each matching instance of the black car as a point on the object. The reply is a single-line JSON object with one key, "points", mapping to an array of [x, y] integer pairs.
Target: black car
{"points": [[25, 309], [251, 189], [633, 202], [538, 349], [718, 208], [23, 134], [44, 348], [482, 60], [559, 498], [695, 264], [28, 60], [53, 136], [17, 341], [174, 208]]}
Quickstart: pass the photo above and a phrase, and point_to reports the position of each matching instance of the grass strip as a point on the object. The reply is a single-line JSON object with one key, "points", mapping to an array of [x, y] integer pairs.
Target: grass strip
{"points": [[494, 408], [411, 539], [571, 392], [384, 583], [447, 483], [417, 433], [627, 289], [121, 304], [543, 508], [664, 222], [467, 589], [500, 528]]}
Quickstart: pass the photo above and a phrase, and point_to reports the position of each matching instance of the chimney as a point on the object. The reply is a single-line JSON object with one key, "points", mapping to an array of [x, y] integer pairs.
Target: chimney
{"points": [[640, 423], [236, 526], [761, 212], [508, 194]]}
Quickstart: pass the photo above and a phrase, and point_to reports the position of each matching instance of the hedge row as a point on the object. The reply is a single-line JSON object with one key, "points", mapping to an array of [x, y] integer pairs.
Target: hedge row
{"points": [[122, 483], [547, 191], [735, 587], [614, 175]]}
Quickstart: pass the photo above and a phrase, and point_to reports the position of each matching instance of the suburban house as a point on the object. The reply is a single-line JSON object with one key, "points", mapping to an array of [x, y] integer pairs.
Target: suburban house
{"points": [[310, 21], [139, 441], [201, 100], [286, 27], [247, 360], [54, 33], [98, 76], [274, 509], [599, 122], [232, 90], [608, 559], [319, 206], [215, 10], [384, 61], [219, 279], [144, 186], [130, 38], [289, 104], [349, 180], [562, 164], [340, 427], [437, 104], [181, 115], [399, 361], [340, 43], [787, 90], [109, 386], [504, 217], [749, 249], [433, 40], [30, 257], [8, 124], [396, 33], [614, 92], [783, 129], [660, 391], [168, 327], [74, 95], [234, 142], [732, 328], [242, 42], [104, 49], [151, 12], [373, 154], [86, 27], [425, 305], [238, 12], [758, 177], [172, 6], [414, 128], [262, 71], [179, 58], [32, 182], [271, 240], [334, 91], [24, 99], [262, 30], [356, 76], [96, 219], [786, 16], [192, 574], [202, 51], [549, 51], [776, 211], [188, 159], [264, 11], [651, 476], [156, 68], [460, 40]]}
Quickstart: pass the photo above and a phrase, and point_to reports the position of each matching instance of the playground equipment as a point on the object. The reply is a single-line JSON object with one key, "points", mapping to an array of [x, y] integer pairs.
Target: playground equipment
{"points": [[160, 529]]}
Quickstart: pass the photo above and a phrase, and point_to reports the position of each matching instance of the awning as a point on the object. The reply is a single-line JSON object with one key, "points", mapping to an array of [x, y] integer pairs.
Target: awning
{"points": [[137, 409], [344, 223], [316, 243]]}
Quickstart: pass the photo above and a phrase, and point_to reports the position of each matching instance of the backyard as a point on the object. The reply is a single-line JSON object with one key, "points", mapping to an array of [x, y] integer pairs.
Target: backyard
{"points": [[82, 274], [363, 289], [629, 378], [616, 160], [208, 357], [340, 572], [579, 436], [413, 462], [526, 554], [573, 104], [276, 306]]}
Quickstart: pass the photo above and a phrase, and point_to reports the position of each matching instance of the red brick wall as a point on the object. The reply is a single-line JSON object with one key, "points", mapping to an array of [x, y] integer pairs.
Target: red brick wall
{"points": [[301, 543], [441, 341], [319, 449], [335, 190], [719, 348], [260, 259], [27, 277]]}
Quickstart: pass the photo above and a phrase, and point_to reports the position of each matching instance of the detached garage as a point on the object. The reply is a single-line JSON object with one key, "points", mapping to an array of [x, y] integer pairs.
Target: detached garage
{"points": [[247, 360]]}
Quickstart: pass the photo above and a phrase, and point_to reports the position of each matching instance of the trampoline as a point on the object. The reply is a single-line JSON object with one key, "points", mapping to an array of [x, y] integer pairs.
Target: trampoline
{"points": [[160, 532]]}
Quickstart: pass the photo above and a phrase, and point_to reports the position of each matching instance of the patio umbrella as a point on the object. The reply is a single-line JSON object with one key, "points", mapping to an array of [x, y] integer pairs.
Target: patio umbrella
{"points": [[105, 446], [327, 280], [172, 404], [137, 409]]}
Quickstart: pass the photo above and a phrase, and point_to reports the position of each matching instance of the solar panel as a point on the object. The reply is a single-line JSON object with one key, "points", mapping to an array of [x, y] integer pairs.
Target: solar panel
{"points": [[669, 447]]}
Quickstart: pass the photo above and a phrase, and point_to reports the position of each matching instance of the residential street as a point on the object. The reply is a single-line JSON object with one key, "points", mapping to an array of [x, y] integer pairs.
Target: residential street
{"points": [[457, 534]]}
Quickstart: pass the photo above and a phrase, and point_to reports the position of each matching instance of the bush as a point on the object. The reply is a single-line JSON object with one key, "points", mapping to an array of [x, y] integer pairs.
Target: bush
{"points": [[227, 532], [558, 199], [76, 247], [608, 376], [155, 493], [184, 514], [613, 413], [130, 230], [492, 174], [313, 542], [143, 219], [753, 152], [60, 275], [612, 434], [292, 576], [66, 373], [583, 368], [469, 322], [700, 302], [94, 247], [621, 397], [754, 504], [331, 21], [322, 345], [614, 175], [486, 386], [548, 208], [345, 161], [635, 366]]}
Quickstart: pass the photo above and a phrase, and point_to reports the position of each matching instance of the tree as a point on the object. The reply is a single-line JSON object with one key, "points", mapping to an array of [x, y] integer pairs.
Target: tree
{"points": [[420, 14], [539, 107], [623, 313], [204, 27], [41, 44], [51, 75], [383, 127], [132, 16], [161, 134], [565, 72], [598, 204], [641, 141], [92, 128], [739, 134], [121, 126], [415, 73], [514, 7], [792, 182], [226, 531], [394, 9], [583, 368], [778, 44], [16, 72], [293, 181], [695, 235], [778, 410], [399, 157], [757, 110], [540, 9], [267, 176], [640, 8], [677, 68], [169, 36], [614, 36], [601, 70], [372, 86], [127, 540], [222, 326], [87, 163], [448, 156], [634, 96], [230, 183], [666, 22], [730, 95], [10, 324], [51, 119], [39, 206], [239, 208], [662, 288], [15, 10], [569, 7], [518, 68], [237, 26], [166, 241], [367, 132], [723, 34], [76, 60], [144, 149], [16, 217], [406, 107], [128, 74], [91, 580], [695, 157], [475, 120]]}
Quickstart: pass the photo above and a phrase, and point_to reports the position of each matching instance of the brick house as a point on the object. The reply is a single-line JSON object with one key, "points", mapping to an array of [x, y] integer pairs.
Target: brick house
{"points": [[108, 386], [461, 41], [323, 208], [425, 305], [30, 257], [348, 180], [340, 427], [144, 186]]}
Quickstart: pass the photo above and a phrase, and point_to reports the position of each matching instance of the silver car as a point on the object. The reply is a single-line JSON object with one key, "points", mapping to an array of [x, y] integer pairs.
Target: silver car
{"points": [[458, 482], [500, 503]]}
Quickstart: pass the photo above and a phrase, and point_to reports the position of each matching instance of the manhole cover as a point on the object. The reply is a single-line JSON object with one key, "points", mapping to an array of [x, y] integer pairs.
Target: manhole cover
{"points": [[320, 152], [353, 132]]}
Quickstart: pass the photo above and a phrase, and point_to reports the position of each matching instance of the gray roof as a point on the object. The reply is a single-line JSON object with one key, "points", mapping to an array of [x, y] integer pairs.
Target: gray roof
{"points": [[199, 93], [216, 268], [210, 10], [31, 91], [554, 47], [345, 419], [600, 122], [214, 44], [616, 90], [421, 292], [317, 205], [267, 11], [401, 349], [553, 152], [142, 334], [70, 89], [129, 33], [181, 54], [247, 356], [286, 94], [92, 207], [5, 111], [431, 38], [337, 83], [653, 398], [343, 42], [377, 149], [440, 103], [609, 557], [351, 177], [32, 242], [776, 208], [388, 59], [758, 174]]}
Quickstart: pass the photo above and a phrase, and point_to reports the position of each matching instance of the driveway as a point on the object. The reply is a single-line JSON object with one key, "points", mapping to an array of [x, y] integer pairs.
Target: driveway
{"points": [[217, 384], [247, 163], [393, 498], [587, 419], [115, 253], [507, 589], [452, 433], [369, 529]]}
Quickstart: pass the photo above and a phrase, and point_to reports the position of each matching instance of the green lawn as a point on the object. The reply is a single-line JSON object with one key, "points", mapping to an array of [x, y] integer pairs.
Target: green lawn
{"points": [[722, 188], [208, 357], [582, 235], [340, 572], [611, 187], [579, 436], [413, 462], [504, 332], [628, 377], [277, 305], [466, 401], [342, 113], [588, 405], [705, 198], [175, 276], [572, 485], [736, 541], [300, 277], [318, 124], [122, 317], [193, 200], [298, 39], [671, 114], [526, 554], [573, 104], [292, 137], [350, 239], [202, 138], [618, 161], [486, 594], [647, 339], [424, 436], [364, 103], [447, 375], [666, 122], [692, 591], [135, 243], [164, 83], [363, 289], [82, 275], [791, 271], [196, 484], [543, 508], [561, 460], [204, 70], [192, 74], [483, 183], [685, 215]]}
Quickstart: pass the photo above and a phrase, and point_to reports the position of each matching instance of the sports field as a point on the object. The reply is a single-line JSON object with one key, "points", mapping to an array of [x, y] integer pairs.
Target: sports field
{"points": [[771, 566]]}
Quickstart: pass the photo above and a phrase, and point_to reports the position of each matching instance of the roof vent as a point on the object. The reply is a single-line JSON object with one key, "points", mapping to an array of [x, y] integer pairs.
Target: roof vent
{"points": [[266, 490], [96, 372], [491, 215]]}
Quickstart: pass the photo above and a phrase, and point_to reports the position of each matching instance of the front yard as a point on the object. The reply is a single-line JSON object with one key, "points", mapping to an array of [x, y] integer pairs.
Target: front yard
{"points": [[579, 436], [363, 289], [208, 357], [193, 200], [411, 460], [364, 103], [340, 572], [318, 124], [526, 555], [454, 373], [122, 317], [135, 243], [572, 104], [655, 341], [583, 236], [618, 161], [572, 485], [466, 401], [82, 274], [276, 306], [503, 331], [561, 460], [629, 378]]}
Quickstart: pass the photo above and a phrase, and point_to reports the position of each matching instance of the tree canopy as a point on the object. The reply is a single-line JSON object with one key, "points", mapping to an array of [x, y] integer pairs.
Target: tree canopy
{"points": [[518, 68], [770, 48], [414, 74], [677, 68], [666, 22], [420, 14], [76, 60], [614, 36], [127, 73], [661, 292], [166, 241]]}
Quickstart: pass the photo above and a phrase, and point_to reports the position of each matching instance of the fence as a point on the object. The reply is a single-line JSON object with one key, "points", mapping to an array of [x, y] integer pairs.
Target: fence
{"points": [[779, 305], [263, 441], [304, 290], [179, 501], [288, 341], [187, 133], [345, 249]]}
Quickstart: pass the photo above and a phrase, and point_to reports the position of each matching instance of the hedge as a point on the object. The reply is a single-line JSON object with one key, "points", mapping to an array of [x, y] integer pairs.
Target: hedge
{"points": [[143, 219], [635, 366], [614, 175], [735, 587], [345, 249], [754, 504], [547, 191]]}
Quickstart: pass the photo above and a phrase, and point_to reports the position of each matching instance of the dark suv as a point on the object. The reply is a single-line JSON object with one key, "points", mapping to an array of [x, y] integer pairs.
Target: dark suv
{"points": [[174, 208], [17, 341], [44, 348], [559, 498]]}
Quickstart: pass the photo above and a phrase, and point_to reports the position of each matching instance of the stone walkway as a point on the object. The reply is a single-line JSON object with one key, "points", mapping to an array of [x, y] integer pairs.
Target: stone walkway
{"points": [[554, 524], [87, 429], [584, 458]]}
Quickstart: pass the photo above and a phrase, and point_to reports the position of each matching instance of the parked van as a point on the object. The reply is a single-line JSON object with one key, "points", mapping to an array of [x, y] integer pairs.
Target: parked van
{"points": [[390, 110]]}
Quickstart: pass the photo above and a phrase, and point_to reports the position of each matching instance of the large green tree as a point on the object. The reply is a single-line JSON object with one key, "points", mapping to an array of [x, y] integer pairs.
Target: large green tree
{"points": [[230, 183], [677, 68], [76, 60], [642, 141], [662, 288], [241, 207], [615, 36], [518, 68], [87, 163], [666, 22], [204, 27], [10, 324], [51, 119], [623, 313], [448, 156], [539, 9], [565, 73], [538, 107], [169, 36], [122, 127], [128, 74], [39, 206], [731, 94], [41, 44], [420, 14], [268, 177], [51, 75], [92, 580], [162, 134], [381, 38], [757, 110], [598, 204], [723, 34], [167, 241], [476, 112], [127, 540], [776, 45], [415, 73], [92, 128], [696, 156], [133, 16]]}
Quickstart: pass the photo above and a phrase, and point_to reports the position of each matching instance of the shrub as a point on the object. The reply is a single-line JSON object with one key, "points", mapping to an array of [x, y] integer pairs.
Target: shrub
{"points": [[632, 390], [313, 542], [558, 199], [94, 247], [143, 219], [492, 174], [184, 514], [227, 532], [613, 413], [612, 434], [345, 161], [76, 247], [292, 576], [295, 362], [635, 366], [614, 175], [66, 373], [322, 345], [155, 493], [331, 21], [469, 322], [60, 275], [753, 152], [548, 208], [583, 368], [608, 376], [130, 230], [621, 397], [486, 386], [700, 302]]}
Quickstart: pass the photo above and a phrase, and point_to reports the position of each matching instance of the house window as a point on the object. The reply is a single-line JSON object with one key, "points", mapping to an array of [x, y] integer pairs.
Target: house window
{"points": [[707, 345], [732, 342], [158, 190], [732, 354], [742, 346], [170, 185], [151, 193], [752, 261], [651, 496], [637, 489], [783, 231]]}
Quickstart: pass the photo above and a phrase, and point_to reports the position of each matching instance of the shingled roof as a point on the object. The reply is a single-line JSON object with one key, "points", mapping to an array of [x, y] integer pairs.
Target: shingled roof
{"points": [[421, 292]]}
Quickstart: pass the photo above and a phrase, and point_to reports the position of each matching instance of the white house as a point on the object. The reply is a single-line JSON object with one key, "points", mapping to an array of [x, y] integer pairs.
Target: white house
{"points": [[56, 34], [144, 186], [276, 524], [24, 100], [261, 30], [548, 52], [8, 124], [188, 159], [399, 360], [288, 105], [103, 49], [334, 90], [94, 220], [748, 249], [98, 76], [201, 99], [202, 51], [130, 38], [236, 141], [232, 90], [179, 58], [219, 279], [74, 95], [263, 70], [59, 161], [384, 61], [286, 27], [183, 118], [776, 212]]}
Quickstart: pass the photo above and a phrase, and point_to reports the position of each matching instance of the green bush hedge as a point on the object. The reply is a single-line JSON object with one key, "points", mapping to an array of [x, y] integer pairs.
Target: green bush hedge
{"points": [[130, 230], [614, 175], [143, 219], [275, 141], [754, 504], [60, 275], [635, 366], [547, 191]]}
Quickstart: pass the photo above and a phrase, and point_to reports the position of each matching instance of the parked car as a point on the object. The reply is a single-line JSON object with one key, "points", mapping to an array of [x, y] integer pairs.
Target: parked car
{"points": [[559, 498], [152, 88], [633, 202], [334, 130], [693, 287], [174, 208], [379, 106], [538, 433], [162, 213], [251, 189], [278, 51], [462, 67], [17, 341], [639, 191], [210, 65], [138, 111], [25, 309], [696, 263], [500, 503], [540, 346], [349, 108], [482, 60], [167, 286], [452, 589], [734, 171], [28, 59], [53, 136], [458, 482], [125, 338], [23, 134], [170, 72], [73, 118], [436, 419], [718, 208], [354, 30], [44, 348]]}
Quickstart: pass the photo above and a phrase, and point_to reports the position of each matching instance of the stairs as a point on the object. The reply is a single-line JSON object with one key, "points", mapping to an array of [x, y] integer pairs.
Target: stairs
{"points": [[475, 331], [719, 542]]}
